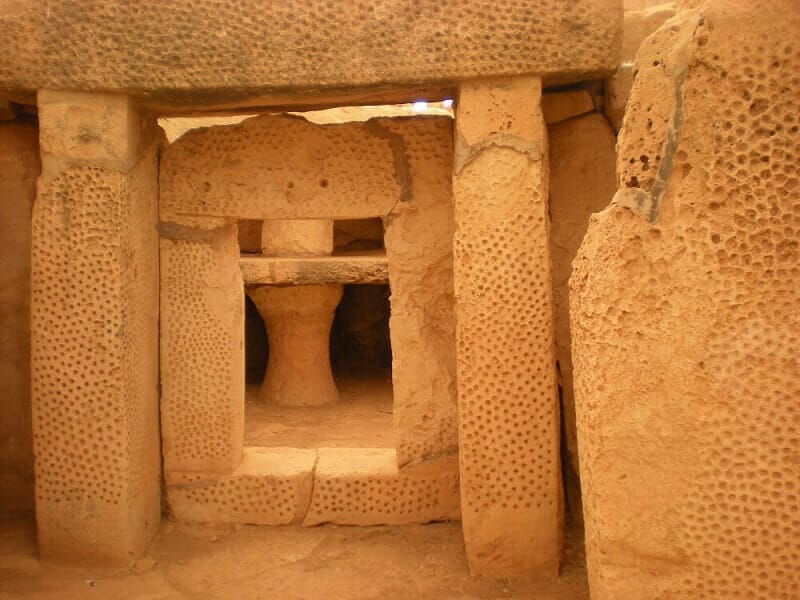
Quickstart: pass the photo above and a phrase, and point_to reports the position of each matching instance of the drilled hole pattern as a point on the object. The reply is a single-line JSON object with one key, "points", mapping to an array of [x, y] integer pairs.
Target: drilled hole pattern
{"points": [[94, 339], [349, 489], [202, 365], [508, 407], [183, 51]]}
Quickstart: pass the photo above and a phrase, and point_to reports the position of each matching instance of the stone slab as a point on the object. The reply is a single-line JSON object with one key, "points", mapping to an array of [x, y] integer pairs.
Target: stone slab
{"points": [[366, 269], [363, 486], [94, 345], [173, 53], [509, 422], [270, 486]]}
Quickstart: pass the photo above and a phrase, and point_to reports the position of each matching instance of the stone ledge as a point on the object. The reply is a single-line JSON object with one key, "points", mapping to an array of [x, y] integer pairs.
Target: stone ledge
{"points": [[363, 486], [271, 486], [173, 53], [317, 270], [346, 486]]}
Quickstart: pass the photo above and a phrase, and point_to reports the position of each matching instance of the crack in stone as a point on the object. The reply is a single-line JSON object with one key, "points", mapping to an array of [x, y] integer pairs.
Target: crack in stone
{"points": [[637, 199], [464, 153]]}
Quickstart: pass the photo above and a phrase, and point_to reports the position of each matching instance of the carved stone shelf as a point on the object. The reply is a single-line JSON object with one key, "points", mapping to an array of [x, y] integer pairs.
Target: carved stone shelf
{"points": [[365, 268]]}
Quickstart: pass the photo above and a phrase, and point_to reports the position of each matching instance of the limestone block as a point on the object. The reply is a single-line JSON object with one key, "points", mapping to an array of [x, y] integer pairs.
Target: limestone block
{"points": [[202, 347], [92, 129], [298, 237], [637, 26], [559, 106], [362, 486], [176, 54], [371, 268], [19, 167], [582, 181], [94, 350], [298, 321], [270, 486], [283, 167], [685, 323], [419, 248], [511, 498]]}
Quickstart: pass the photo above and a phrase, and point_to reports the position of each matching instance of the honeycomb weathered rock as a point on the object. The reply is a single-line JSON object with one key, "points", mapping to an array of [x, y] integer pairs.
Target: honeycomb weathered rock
{"points": [[509, 425], [685, 323]]}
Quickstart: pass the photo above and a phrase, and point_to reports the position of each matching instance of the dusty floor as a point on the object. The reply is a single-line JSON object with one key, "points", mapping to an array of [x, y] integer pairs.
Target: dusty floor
{"points": [[362, 419], [286, 563]]}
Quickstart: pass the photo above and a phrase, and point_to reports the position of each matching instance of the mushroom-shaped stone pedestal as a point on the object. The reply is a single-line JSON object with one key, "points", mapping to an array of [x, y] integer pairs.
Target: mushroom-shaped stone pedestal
{"points": [[298, 320]]}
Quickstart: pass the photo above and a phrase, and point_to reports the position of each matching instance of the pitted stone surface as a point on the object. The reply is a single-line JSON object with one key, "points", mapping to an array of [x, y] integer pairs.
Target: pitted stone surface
{"points": [[362, 486], [270, 486], [202, 347], [94, 365], [685, 329], [283, 167], [175, 52], [511, 498]]}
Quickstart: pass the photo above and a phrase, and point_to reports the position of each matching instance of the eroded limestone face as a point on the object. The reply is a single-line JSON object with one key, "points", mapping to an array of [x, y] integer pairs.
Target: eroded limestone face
{"points": [[175, 53], [685, 325]]}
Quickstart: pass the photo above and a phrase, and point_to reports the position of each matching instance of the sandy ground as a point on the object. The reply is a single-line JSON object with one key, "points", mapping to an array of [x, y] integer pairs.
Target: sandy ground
{"points": [[286, 563], [362, 418]]}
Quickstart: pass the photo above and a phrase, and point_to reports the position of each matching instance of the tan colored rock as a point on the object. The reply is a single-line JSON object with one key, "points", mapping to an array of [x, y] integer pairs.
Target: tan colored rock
{"points": [[270, 486], [508, 402], [101, 130], [618, 90], [362, 486], [638, 24], [559, 106], [94, 337], [685, 322], [298, 321], [313, 237], [582, 181], [180, 55], [19, 167], [220, 171], [419, 249], [369, 268], [202, 347]]}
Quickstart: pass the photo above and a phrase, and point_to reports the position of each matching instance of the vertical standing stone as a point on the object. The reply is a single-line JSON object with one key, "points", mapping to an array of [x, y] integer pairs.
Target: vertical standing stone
{"points": [[511, 498], [202, 344], [94, 328]]}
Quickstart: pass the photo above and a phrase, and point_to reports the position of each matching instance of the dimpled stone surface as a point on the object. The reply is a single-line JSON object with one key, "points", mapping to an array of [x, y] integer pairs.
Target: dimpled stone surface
{"points": [[685, 323], [195, 52]]}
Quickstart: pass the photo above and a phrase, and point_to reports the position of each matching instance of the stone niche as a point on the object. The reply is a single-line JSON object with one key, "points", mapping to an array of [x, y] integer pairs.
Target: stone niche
{"points": [[300, 218]]}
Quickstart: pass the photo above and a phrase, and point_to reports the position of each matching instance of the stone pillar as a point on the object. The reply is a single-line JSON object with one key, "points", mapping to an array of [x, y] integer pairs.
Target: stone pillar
{"points": [[298, 318], [511, 495], [202, 344], [94, 328]]}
